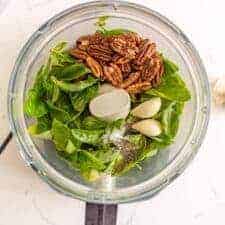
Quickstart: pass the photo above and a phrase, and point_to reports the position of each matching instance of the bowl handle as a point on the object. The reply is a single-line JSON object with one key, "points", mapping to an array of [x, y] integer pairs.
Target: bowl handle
{"points": [[100, 214], [5, 141]]}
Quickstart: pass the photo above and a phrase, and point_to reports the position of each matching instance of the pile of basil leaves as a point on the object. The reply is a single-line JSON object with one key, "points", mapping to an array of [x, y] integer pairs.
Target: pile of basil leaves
{"points": [[59, 102]]}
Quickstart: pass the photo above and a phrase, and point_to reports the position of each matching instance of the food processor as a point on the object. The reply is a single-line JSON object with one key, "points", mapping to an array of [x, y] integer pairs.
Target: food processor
{"points": [[158, 171]]}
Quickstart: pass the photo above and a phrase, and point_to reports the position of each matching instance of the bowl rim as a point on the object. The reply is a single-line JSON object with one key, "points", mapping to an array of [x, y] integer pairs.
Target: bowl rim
{"points": [[89, 195]]}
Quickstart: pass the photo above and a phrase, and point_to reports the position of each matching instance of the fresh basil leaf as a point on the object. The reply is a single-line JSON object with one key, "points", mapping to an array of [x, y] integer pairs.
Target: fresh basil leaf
{"points": [[172, 88], [41, 129], [73, 72], [61, 135], [75, 87], [84, 161], [60, 47], [48, 88], [44, 123], [80, 100], [40, 77], [64, 103], [114, 126], [121, 166], [59, 57], [138, 140], [169, 67], [104, 152], [101, 22], [88, 136], [113, 32], [58, 113], [93, 123], [90, 175], [116, 158], [55, 94], [76, 122], [56, 71], [88, 165], [44, 86], [117, 124], [101, 25], [43, 135], [90, 161], [149, 151], [34, 106], [70, 147], [170, 118]]}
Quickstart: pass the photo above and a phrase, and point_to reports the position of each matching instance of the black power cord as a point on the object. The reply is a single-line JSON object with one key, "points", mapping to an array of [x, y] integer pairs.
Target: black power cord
{"points": [[6, 141]]}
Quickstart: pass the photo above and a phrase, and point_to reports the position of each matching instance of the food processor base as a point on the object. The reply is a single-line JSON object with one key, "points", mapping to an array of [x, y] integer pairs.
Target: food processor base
{"points": [[100, 214]]}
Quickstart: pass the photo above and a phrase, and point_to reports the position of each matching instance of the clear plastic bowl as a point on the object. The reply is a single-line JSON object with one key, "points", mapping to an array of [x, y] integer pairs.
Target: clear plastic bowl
{"points": [[157, 172]]}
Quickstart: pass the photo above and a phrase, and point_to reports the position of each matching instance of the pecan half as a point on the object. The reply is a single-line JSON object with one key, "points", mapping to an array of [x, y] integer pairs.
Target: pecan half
{"points": [[153, 69], [133, 77], [133, 38], [83, 42], [100, 52], [146, 52], [102, 63], [95, 67], [123, 47], [125, 68], [136, 67], [138, 87], [113, 74], [158, 78], [96, 38], [120, 60], [79, 54], [118, 44], [108, 75], [99, 39]]}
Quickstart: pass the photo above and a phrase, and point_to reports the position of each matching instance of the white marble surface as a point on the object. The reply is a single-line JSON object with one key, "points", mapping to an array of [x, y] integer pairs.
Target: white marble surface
{"points": [[196, 198]]}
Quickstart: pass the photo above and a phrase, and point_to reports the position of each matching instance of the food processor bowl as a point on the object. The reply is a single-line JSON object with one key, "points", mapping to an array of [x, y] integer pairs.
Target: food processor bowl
{"points": [[158, 171]]}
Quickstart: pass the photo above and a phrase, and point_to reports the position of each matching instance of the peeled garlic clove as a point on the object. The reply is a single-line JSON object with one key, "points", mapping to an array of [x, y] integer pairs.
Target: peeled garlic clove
{"points": [[147, 109], [111, 106], [149, 127]]}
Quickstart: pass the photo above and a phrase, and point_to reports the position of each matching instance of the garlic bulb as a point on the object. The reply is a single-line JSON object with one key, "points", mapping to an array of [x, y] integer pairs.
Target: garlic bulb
{"points": [[219, 91], [148, 108], [149, 127]]}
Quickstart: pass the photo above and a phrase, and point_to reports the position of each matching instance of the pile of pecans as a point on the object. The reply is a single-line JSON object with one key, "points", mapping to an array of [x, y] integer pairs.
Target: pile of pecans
{"points": [[126, 60]]}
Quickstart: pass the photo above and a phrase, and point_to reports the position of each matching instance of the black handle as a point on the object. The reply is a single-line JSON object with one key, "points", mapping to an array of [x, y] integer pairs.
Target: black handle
{"points": [[100, 214]]}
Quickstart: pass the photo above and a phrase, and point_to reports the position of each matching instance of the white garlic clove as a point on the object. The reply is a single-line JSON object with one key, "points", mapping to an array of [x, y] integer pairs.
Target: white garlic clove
{"points": [[111, 106], [148, 108], [149, 127]]}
